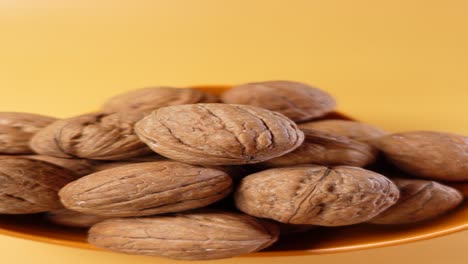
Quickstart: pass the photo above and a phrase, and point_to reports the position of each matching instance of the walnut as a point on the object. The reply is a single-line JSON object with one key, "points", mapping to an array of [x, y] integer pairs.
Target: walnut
{"points": [[145, 189], [351, 129], [16, 129], [428, 154], [78, 167], [71, 218], [460, 186], [316, 195], [326, 149], [218, 134], [152, 98], [188, 236], [298, 101], [419, 200], [98, 136], [114, 164], [30, 186]]}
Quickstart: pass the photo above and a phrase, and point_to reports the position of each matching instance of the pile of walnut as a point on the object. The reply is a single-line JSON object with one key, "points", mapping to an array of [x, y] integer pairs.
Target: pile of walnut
{"points": [[267, 149]]}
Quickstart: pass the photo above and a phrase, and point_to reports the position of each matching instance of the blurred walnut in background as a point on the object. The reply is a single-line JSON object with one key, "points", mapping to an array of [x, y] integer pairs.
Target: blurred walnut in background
{"points": [[298, 101]]}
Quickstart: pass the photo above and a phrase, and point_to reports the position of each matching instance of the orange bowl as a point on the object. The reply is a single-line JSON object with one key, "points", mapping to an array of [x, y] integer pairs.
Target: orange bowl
{"points": [[317, 241]]}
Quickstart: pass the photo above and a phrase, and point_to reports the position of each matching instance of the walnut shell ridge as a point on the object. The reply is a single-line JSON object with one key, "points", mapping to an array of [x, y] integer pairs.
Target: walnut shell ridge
{"points": [[298, 101], [99, 136], [186, 236], [218, 134], [316, 195]]}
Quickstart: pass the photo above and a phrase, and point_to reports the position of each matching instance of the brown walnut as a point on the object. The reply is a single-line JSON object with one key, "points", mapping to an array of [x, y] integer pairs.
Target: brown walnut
{"points": [[114, 164], [327, 149], [30, 186], [98, 136], [79, 167], [419, 200], [188, 236], [146, 189], [298, 101], [16, 130], [428, 154], [316, 195], [71, 218], [219, 134], [152, 98], [351, 129], [460, 186]]}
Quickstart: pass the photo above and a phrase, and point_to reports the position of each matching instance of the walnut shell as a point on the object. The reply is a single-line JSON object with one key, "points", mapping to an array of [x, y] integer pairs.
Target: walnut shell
{"points": [[351, 129], [326, 149], [419, 200], [298, 101], [189, 236], [79, 167], [428, 154], [98, 136], [16, 130], [316, 195], [218, 134], [30, 186], [146, 189], [152, 98], [71, 218], [460, 186], [114, 164]]}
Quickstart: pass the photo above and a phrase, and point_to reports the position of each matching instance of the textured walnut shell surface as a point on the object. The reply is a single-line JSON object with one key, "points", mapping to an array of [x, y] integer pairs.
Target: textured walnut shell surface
{"points": [[189, 236], [80, 167], [316, 195], [427, 154], [71, 218], [98, 136], [326, 149], [219, 134], [152, 98], [146, 189], [351, 129], [30, 186], [419, 200], [298, 101], [16, 130]]}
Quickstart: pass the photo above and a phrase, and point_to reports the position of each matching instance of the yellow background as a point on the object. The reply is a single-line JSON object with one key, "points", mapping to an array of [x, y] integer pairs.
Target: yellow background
{"points": [[401, 65]]}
